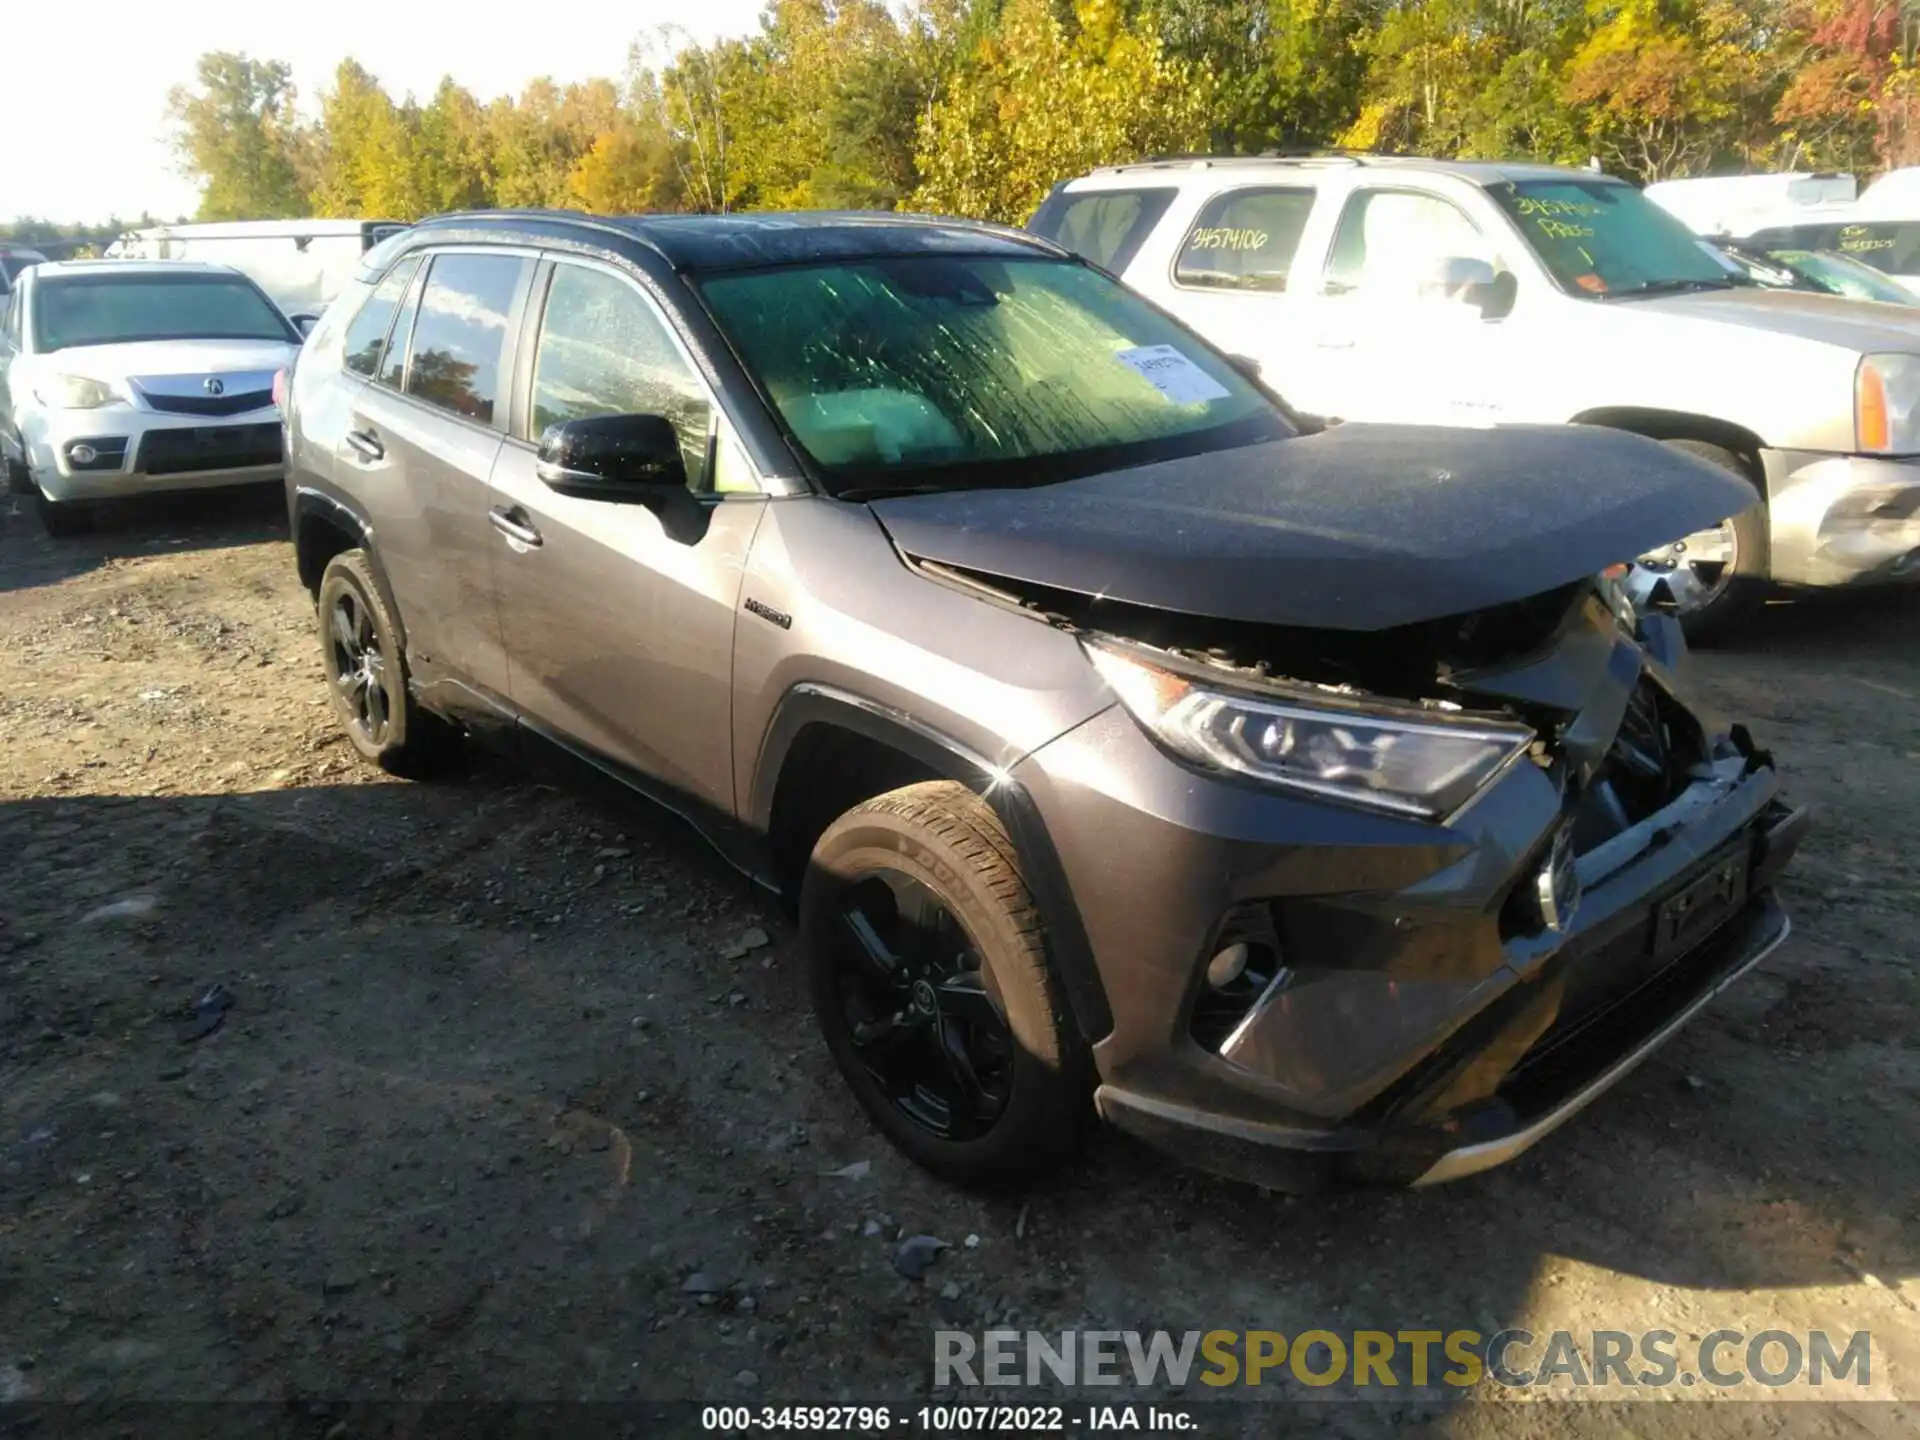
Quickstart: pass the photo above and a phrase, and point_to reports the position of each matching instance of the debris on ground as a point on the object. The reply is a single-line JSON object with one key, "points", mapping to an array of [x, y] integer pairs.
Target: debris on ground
{"points": [[917, 1254], [209, 1013], [131, 908], [858, 1170], [751, 940]]}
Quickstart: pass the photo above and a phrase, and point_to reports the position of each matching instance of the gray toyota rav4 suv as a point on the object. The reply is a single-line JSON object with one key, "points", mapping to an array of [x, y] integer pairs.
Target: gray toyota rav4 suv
{"points": [[1308, 803]]}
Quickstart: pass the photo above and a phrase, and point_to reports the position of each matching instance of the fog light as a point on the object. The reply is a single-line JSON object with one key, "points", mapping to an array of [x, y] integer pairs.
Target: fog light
{"points": [[83, 454], [1228, 966], [1557, 887]]}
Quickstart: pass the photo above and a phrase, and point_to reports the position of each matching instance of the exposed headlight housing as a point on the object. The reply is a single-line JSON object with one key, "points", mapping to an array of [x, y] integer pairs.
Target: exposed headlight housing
{"points": [[1413, 763], [1886, 405], [73, 392]]}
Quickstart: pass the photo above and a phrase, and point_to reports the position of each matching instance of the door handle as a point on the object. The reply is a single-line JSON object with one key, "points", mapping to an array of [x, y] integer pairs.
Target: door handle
{"points": [[366, 445], [514, 524]]}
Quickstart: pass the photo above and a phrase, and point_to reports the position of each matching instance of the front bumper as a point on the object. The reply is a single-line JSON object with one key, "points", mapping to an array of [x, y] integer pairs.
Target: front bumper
{"points": [[1842, 519], [1408, 1038], [136, 451]]}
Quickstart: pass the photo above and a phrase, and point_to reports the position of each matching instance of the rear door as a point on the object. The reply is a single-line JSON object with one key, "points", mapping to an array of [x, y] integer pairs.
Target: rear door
{"points": [[1233, 277], [425, 433], [619, 621]]}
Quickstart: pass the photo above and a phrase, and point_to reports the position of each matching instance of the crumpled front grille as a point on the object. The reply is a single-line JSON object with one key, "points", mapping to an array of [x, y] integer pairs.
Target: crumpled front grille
{"points": [[1657, 745]]}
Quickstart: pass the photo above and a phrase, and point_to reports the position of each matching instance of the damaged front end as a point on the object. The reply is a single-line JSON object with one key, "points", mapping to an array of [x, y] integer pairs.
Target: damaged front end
{"points": [[1516, 852]]}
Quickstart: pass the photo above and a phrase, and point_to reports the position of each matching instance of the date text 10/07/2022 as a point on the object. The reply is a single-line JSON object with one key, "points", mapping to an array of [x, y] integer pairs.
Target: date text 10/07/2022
{"points": [[944, 1419]]}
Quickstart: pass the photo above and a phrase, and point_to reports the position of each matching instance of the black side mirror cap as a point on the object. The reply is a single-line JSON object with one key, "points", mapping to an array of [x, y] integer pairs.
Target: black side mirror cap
{"points": [[630, 459], [304, 322]]}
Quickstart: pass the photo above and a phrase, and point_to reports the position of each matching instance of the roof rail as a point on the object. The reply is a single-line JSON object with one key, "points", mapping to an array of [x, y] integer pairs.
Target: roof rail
{"points": [[1350, 157]]}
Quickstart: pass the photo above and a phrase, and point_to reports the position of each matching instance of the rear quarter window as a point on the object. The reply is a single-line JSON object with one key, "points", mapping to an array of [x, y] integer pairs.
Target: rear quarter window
{"points": [[1107, 227], [1245, 239], [367, 332]]}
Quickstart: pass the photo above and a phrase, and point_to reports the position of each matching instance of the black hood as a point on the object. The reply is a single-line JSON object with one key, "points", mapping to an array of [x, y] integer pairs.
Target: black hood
{"points": [[1360, 527]]}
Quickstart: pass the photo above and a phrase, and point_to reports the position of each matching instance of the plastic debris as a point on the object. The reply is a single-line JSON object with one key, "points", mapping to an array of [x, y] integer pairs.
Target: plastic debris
{"points": [[916, 1254], [130, 908], [701, 1283], [858, 1170], [209, 1013]]}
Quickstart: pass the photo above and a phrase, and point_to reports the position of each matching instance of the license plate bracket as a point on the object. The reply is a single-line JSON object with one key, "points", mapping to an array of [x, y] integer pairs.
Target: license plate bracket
{"points": [[1700, 907]]}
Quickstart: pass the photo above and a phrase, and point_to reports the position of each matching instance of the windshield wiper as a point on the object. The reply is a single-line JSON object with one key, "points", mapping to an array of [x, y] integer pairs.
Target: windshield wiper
{"points": [[1670, 287]]}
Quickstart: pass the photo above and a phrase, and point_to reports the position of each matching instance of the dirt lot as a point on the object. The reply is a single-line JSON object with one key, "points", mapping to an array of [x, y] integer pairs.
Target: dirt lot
{"points": [[502, 1088]]}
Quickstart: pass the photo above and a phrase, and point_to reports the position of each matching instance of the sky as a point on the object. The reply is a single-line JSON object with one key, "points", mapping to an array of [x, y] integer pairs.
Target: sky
{"points": [[84, 98]]}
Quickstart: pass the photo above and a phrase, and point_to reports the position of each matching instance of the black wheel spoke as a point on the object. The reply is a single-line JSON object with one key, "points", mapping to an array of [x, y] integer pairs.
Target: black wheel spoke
{"points": [[962, 1090], [962, 997], [881, 963]]}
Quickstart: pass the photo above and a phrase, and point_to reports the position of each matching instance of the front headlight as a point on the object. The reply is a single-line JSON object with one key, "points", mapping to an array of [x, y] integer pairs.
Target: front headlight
{"points": [[1886, 405], [73, 392], [1424, 766]]}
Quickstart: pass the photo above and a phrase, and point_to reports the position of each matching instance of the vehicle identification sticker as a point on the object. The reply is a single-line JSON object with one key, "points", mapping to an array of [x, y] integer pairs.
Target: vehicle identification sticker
{"points": [[1172, 374]]}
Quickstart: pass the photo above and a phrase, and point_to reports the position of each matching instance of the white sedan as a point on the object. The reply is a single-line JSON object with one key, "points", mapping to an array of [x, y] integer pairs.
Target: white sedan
{"points": [[122, 378]]}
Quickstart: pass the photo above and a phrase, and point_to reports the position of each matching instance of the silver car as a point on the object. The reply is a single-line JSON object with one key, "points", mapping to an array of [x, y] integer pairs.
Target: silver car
{"points": [[119, 378]]}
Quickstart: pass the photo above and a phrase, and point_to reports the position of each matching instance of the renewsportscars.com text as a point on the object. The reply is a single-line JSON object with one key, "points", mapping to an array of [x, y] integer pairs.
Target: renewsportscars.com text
{"points": [[1361, 1359]]}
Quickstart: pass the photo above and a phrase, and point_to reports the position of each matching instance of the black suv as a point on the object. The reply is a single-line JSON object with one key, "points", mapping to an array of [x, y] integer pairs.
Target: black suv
{"points": [[1310, 804]]}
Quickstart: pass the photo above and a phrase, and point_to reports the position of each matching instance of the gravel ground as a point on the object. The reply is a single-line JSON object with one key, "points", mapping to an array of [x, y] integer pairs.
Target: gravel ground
{"points": [[519, 1097]]}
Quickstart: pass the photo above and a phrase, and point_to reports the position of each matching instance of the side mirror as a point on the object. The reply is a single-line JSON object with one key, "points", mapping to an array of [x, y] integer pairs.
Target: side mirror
{"points": [[304, 322], [628, 459], [1473, 281], [1246, 365]]}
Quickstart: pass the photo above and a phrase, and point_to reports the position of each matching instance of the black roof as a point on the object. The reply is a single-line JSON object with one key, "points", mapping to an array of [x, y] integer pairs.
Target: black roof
{"points": [[727, 242]]}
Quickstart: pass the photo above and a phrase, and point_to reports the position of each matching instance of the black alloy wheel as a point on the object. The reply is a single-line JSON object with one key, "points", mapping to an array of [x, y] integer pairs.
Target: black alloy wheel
{"points": [[358, 670], [919, 1008], [928, 969]]}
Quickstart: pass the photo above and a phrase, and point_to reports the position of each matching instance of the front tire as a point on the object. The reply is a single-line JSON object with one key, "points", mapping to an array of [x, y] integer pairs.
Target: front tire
{"points": [[928, 968], [367, 674], [1714, 581], [63, 519]]}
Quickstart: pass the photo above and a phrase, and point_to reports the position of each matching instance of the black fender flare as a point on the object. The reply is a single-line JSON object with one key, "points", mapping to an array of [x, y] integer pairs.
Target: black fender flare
{"points": [[810, 703], [308, 502]]}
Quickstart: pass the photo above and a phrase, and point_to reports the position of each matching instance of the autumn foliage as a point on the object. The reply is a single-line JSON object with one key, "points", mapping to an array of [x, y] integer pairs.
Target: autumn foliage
{"points": [[976, 107]]}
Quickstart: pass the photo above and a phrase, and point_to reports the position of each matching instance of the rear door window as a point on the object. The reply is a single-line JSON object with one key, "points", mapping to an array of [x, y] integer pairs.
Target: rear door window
{"points": [[460, 333], [367, 334], [1245, 240], [1104, 226]]}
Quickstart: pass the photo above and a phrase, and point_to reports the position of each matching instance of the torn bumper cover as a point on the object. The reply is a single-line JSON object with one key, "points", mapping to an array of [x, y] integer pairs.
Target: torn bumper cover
{"points": [[1414, 1012], [1842, 519]]}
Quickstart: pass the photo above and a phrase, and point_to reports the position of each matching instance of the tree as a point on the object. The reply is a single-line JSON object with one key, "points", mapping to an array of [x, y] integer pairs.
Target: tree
{"points": [[1850, 98], [1659, 86], [368, 163], [1040, 102], [454, 163], [235, 132]]}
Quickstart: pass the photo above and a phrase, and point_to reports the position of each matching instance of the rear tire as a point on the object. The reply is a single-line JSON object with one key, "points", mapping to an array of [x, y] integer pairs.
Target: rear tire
{"points": [[1739, 591], [366, 671], [1026, 1105]]}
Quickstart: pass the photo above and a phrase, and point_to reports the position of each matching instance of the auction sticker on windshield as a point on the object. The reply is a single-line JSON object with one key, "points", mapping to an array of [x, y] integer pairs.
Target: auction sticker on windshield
{"points": [[1172, 374]]}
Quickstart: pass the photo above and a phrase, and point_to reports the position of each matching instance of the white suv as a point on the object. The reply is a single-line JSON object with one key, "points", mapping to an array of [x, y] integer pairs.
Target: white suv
{"points": [[1426, 291]]}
